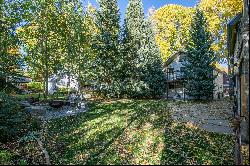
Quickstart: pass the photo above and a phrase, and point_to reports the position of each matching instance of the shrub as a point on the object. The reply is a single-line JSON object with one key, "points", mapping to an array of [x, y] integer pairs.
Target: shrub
{"points": [[14, 121], [35, 86], [125, 89], [5, 157], [8, 87], [63, 90]]}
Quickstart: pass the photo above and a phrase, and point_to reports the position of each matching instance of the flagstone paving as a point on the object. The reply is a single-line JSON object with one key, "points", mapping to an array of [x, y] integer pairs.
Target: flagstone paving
{"points": [[214, 116]]}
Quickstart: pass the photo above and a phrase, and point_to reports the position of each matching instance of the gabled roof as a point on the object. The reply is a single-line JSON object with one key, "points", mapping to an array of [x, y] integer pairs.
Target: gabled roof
{"points": [[217, 66], [19, 79], [221, 69], [231, 32], [172, 58]]}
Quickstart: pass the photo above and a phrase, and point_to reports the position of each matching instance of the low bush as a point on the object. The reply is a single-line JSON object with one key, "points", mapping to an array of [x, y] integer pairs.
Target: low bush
{"points": [[63, 90], [35, 86], [5, 157], [14, 121], [8, 87], [130, 89]]}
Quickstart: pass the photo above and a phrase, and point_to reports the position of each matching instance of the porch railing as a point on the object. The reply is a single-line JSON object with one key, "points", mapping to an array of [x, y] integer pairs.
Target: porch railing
{"points": [[175, 75]]}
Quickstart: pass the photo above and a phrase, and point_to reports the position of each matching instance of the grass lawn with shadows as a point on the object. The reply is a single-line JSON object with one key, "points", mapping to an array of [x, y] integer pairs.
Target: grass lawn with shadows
{"points": [[133, 132]]}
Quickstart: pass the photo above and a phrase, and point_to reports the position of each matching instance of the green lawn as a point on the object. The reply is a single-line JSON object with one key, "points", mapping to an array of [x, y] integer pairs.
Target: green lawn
{"points": [[133, 132]]}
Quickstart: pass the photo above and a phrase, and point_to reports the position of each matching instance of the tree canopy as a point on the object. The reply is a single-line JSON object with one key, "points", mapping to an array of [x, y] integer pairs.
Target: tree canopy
{"points": [[10, 56], [173, 23], [218, 14], [145, 77]]}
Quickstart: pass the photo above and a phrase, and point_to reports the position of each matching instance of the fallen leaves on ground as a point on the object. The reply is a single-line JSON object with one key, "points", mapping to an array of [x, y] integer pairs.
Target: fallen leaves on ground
{"points": [[133, 132]]}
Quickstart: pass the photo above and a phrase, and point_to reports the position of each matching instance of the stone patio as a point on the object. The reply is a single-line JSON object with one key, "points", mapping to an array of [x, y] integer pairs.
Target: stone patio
{"points": [[46, 112], [212, 116]]}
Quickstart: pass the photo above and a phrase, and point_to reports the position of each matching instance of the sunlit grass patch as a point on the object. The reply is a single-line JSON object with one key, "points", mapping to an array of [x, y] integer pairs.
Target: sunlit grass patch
{"points": [[188, 145], [133, 132]]}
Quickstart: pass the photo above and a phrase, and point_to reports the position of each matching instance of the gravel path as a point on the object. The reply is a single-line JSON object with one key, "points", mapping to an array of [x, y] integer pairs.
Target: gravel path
{"points": [[213, 116], [45, 112], [62, 112]]}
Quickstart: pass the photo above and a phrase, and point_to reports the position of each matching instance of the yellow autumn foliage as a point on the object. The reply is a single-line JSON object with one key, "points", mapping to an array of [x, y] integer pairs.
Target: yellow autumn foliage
{"points": [[172, 38], [13, 52], [218, 14], [172, 28], [27, 34]]}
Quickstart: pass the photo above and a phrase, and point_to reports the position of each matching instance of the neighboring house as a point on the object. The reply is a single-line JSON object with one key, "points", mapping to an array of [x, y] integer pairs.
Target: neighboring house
{"points": [[224, 71], [219, 84], [226, 83], [57, 81], [174, 75], [20, 82], [173, 69], [238, 55]]}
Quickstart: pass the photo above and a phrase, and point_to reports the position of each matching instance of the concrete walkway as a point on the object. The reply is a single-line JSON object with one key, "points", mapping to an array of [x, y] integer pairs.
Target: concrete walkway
{"points": [[212, 116]]}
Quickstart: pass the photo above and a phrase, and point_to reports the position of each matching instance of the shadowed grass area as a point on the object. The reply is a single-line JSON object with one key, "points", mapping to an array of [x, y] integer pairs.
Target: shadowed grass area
{"points": [[133, 132]]}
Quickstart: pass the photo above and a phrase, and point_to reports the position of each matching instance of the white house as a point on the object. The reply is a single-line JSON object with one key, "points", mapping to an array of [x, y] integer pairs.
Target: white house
{"points": [[57, 81], [173, 69], [19, 81]]}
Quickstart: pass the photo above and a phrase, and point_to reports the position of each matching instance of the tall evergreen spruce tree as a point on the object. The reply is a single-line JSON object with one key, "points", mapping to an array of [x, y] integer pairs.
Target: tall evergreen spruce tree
{"points": [[142, 63], [107, 46], [131, 38], [198, 72], [153, 73]]}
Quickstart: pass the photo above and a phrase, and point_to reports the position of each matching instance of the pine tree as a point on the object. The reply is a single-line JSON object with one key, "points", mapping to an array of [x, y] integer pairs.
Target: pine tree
{"points": [[141, 55], [107, 45], [153, 72], [198, 72]]}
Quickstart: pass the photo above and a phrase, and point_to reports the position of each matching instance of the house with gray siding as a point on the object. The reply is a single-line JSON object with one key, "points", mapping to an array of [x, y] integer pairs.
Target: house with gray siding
{"points": [[173, 69]]}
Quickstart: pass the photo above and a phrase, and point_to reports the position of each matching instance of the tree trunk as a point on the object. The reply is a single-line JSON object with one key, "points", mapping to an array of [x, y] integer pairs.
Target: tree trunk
{"points": [[68, 58], [46, 65], [44, 87], [46, 70], [68, 85], [47, 84], [45, 60], [79, 69]]}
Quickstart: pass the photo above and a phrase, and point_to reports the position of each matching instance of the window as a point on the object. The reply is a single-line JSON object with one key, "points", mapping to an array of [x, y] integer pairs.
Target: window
{"points": [[171, 86], [170, 70]]}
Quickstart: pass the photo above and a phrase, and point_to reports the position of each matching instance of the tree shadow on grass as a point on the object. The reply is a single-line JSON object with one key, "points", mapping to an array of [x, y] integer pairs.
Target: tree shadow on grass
{"points": [[85, 138], [116, 132], [188, 145]]}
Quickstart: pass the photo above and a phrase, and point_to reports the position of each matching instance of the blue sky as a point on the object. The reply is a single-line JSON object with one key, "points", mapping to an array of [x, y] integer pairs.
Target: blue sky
{"points": [[150, 3]]}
